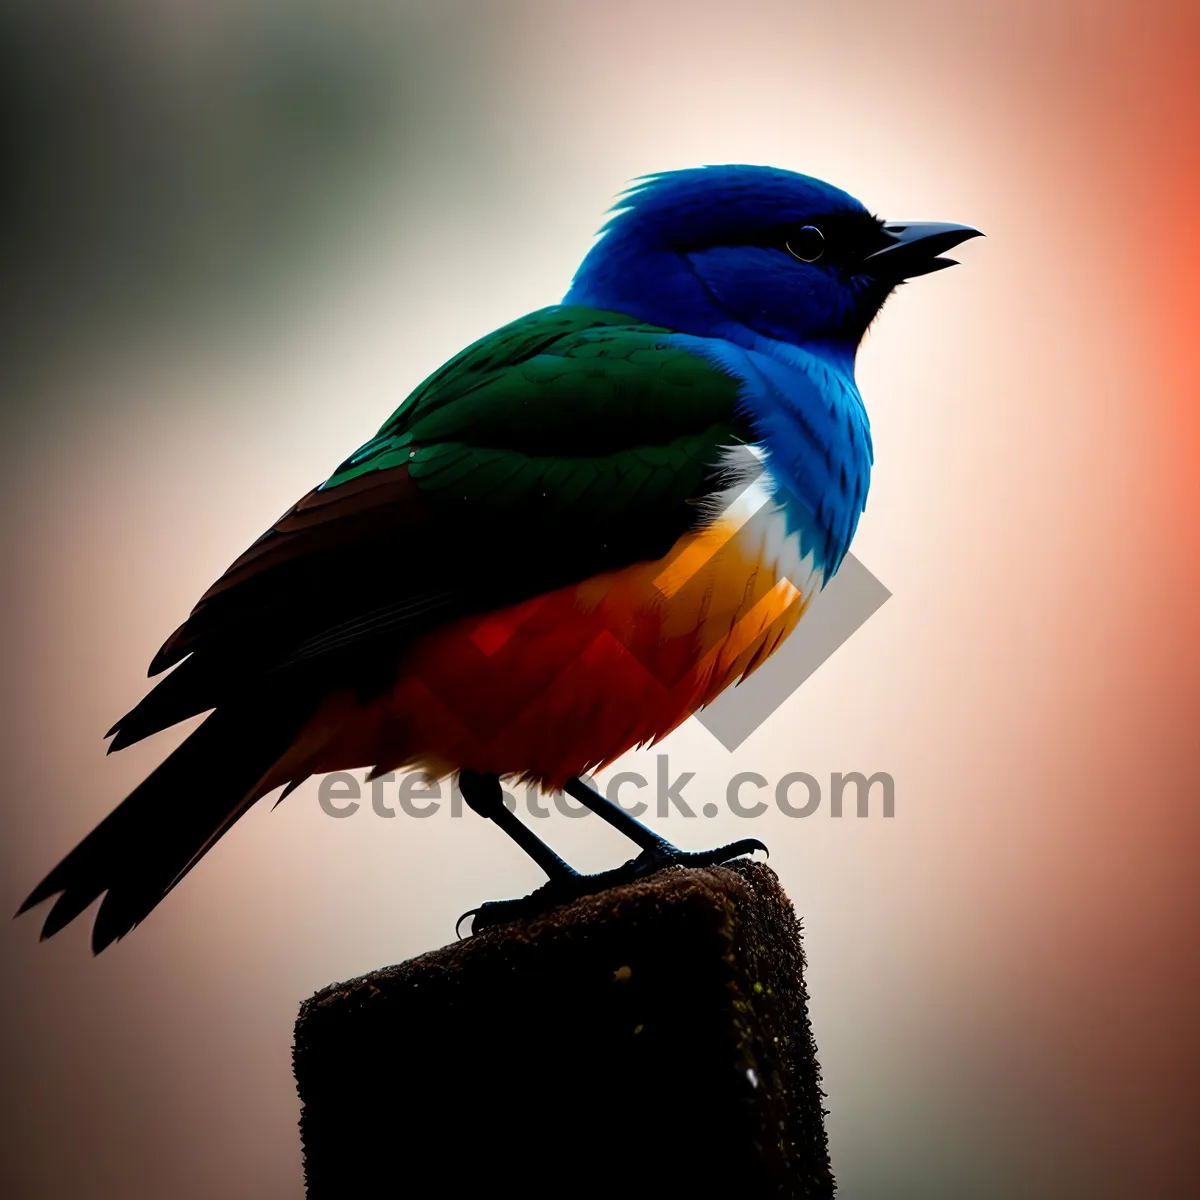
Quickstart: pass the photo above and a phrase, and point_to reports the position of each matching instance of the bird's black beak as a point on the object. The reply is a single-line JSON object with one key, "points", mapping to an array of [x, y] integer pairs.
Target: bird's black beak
{"points": [[913, 249]]}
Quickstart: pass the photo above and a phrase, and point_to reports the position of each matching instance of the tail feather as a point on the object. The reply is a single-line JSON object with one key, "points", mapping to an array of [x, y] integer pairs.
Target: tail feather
{"points": [[190, 689], [145, 846]]}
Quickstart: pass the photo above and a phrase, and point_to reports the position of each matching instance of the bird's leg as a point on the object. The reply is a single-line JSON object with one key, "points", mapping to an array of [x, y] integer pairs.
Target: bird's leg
{"points": [[485, 796], [657, 852], [616, 816]]}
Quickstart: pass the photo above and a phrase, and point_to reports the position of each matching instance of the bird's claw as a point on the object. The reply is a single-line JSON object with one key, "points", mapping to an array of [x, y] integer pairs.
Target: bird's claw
{"points": [[668, 856], [563, 890], [549, 895]]}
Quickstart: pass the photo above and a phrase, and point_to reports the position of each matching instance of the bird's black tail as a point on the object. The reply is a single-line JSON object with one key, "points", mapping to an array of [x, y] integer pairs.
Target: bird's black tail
{"points": [[145, 846]]}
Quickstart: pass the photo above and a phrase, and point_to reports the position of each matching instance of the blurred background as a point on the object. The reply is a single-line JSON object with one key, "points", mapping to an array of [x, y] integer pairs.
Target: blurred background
{"points": [[234, 236]]}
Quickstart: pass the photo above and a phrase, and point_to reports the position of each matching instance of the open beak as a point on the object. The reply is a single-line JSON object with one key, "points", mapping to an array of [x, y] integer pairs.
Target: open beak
{"points": [[913, 249]]}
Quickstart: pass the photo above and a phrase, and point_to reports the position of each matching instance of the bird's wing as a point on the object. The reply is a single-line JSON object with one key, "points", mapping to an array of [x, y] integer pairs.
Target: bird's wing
{"points": [[571, 442]]}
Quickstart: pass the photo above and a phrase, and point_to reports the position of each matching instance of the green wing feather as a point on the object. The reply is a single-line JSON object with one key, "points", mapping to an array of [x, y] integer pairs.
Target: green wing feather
{"points": [[601, 387], [570, 442]]}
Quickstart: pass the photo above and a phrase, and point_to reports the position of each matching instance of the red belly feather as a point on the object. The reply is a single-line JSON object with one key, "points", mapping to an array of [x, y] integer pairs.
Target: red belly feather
{"points": [[566, 682]]}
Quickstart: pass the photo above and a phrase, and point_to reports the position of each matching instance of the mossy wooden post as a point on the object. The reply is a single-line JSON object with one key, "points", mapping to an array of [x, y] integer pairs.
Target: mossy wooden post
{"points": [[650, 1040]]}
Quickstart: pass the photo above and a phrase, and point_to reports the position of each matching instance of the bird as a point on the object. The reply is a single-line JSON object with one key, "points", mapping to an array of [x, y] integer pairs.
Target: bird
{"points": [[566, 541]]}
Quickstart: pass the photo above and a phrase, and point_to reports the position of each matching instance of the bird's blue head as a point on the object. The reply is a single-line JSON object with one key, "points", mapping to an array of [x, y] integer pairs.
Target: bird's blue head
{"points": [[743, 252]]}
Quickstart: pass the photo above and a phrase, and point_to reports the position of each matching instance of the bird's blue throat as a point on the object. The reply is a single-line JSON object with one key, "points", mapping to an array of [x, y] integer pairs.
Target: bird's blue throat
{"points": [[811, 422]]}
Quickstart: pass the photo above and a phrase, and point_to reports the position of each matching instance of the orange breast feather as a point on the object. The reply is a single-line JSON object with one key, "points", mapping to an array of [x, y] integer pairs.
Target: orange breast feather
{"points": [[568, 681]]}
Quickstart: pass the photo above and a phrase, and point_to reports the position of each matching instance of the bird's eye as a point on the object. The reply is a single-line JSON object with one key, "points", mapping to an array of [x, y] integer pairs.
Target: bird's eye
{"points": [[807, 244]]}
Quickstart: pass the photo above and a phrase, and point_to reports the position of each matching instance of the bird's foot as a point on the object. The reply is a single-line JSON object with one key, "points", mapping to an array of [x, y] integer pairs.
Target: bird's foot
{"points": [[656, 857], [564, 888]]}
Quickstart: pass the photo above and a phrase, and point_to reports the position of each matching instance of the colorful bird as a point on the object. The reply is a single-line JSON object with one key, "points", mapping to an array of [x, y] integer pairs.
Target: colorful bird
{"points": [[567, 540]]}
